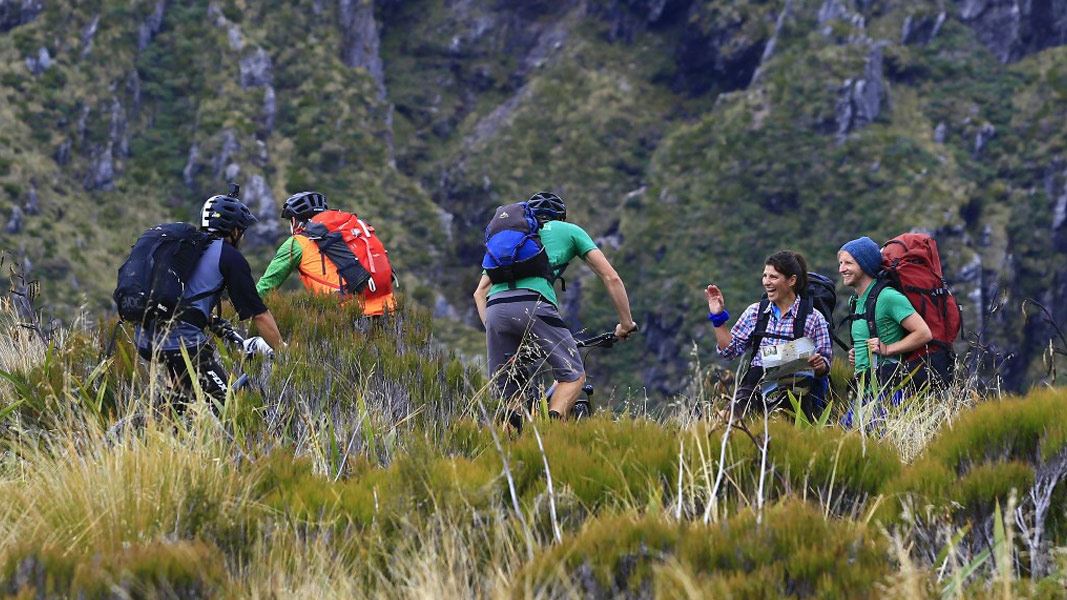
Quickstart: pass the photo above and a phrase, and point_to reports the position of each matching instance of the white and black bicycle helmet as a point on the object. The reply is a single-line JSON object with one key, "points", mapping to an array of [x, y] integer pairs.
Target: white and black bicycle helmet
{"points": [[223, 214], [548, 207], [304, 205]]}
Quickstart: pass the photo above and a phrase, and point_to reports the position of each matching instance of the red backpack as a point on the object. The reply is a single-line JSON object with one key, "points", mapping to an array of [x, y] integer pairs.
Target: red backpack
{"points": [[912, 265], [365, 246]]}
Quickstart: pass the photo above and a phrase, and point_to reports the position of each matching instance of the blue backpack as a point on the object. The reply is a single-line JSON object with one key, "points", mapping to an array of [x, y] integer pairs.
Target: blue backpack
{"points": [[513, 247]]}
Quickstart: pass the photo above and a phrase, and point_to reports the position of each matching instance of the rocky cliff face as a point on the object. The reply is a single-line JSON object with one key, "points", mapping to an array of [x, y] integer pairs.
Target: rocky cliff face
{"points": [[691, 137]]}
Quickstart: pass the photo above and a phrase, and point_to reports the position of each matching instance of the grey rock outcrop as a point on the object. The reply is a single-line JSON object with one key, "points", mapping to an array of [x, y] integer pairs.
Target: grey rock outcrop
{"points": [[118, 136], [14, 224], [921, 29], [151, 25], [860, 101], [33, 202], [1055, 184], [360, 40], [88, 34], [256, 69], [772, 43], [1012, 29], [832, 10], [270, 109], [40, 62], [230, 147], [101, 173], [981, 139], [133, 88], [62, 155], [940, 133], [192, 165], [259, 198], [18, 12]]}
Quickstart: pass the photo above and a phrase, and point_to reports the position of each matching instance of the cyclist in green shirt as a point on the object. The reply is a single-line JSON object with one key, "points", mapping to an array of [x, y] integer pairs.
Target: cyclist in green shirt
{"points": [[528, 309]]}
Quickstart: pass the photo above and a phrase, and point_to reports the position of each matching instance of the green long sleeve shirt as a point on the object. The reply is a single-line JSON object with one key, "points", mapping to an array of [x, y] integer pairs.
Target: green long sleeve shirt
{"points": [[286, 259]]}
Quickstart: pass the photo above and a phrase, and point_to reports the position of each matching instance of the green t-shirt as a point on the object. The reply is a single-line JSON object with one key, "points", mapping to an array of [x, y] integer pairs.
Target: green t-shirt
{"points": [[890, 310], [563, 242]]}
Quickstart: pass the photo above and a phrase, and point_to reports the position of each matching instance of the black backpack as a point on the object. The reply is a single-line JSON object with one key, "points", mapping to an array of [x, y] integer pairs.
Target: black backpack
{"points": [[151, 283], [513, 247], [820, 295]]}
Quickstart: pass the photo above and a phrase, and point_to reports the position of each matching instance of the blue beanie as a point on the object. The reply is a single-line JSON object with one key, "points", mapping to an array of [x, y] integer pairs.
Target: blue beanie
{"points": [[867, 254]]}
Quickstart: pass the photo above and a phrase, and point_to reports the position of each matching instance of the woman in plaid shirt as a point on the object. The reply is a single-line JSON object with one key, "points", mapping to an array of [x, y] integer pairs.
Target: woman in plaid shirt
{"points": [[785, 277]]}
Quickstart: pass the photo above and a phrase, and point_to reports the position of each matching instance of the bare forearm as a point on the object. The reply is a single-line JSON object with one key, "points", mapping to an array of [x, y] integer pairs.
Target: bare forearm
{"points": [[619, 298], [912, 341], [723, 337], [268, 329], [481, 297]]}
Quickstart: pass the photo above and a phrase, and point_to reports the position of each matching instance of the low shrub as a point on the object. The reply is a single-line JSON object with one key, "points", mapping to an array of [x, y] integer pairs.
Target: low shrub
{"points": [[793, 551], [997, 447], [180, 569]]}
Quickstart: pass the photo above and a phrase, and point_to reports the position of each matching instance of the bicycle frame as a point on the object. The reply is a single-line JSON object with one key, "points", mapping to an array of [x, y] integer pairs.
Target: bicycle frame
{"points": [[583, 407], [226, 331]]}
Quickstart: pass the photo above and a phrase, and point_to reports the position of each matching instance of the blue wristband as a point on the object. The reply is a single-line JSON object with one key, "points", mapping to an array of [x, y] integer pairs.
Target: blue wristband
{"points": [[719, 319]]}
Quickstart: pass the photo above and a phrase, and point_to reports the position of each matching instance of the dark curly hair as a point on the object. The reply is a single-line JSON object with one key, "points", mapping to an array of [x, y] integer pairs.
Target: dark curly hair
{"points": [[791, 263]]}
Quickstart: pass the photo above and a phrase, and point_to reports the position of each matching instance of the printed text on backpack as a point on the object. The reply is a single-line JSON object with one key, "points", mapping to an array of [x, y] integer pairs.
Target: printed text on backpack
{"points": [[152, 280]]}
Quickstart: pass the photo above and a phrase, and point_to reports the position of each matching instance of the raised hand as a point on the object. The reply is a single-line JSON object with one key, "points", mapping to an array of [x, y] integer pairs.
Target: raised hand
{"points": [[716, 302]]}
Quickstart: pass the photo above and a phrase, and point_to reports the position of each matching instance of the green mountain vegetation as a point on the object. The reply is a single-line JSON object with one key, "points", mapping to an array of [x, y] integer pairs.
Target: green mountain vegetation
{"points": [[691, 137], [363, 462]]}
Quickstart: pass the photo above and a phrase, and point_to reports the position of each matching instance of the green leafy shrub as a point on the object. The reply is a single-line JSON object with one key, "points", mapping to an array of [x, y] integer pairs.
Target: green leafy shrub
{"points": [[999, 446], [180, 569], [794, 552]]}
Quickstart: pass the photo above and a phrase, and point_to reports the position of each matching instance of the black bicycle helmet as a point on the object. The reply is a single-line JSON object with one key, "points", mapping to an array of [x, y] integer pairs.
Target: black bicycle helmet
{"points": [[223, 214], [304, 205], [548, 207]]}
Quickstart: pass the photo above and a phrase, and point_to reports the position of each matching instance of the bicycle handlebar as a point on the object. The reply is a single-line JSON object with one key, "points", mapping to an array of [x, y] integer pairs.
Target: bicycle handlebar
{"points": [[604, 340], [224, 329]]}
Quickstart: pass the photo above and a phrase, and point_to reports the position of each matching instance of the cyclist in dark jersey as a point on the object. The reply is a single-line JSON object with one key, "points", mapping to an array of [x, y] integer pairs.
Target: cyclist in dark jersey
{"points": [[222, 268]]}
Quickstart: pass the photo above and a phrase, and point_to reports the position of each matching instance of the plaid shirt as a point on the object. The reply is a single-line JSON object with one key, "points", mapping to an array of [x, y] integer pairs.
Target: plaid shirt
{"points": [[815, 329]]}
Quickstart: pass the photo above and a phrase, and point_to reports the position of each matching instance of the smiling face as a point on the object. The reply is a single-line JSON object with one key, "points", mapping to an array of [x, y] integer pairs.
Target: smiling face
{"points": [[778, 286], [851, 273]]}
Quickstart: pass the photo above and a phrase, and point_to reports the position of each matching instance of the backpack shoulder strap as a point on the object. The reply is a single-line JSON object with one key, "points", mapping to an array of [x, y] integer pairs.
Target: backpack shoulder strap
{"points": [[760, 330], [801, 319], [870, 305]]}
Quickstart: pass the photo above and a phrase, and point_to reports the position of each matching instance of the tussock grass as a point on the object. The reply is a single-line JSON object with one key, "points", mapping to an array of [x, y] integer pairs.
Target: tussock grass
{"points": [[92, 493]]}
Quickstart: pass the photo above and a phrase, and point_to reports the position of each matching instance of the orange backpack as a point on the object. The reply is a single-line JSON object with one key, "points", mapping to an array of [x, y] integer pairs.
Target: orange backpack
{"points": [[364, 244]]}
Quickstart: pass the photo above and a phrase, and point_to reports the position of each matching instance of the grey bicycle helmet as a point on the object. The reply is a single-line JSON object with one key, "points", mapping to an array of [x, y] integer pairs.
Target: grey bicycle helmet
{"points": [[223, 214], [304, 205], [548, 207]]}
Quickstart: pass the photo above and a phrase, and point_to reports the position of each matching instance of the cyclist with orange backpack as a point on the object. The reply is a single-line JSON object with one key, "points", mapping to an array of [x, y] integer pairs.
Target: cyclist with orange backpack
{"points": [[335, 252]]}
